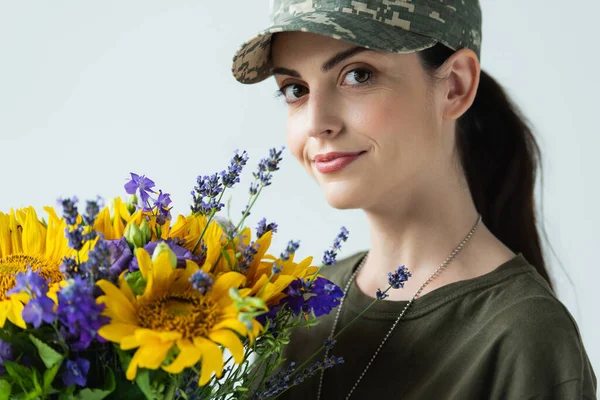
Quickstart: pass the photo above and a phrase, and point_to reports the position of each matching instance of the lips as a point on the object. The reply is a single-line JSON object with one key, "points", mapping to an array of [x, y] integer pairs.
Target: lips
{"points": [[335, 161]]}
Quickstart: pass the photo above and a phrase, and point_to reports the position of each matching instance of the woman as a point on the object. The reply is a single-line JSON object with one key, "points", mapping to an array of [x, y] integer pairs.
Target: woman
{"points": [[390, 113]]}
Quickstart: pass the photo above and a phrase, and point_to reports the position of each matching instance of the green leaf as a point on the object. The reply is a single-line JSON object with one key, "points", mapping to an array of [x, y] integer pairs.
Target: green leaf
{"points": [[36, 383], [136, 282], [143, 381], [49, 375], [224, 253], [99, 394], [21, 375], [5, 389], [49, 356]]}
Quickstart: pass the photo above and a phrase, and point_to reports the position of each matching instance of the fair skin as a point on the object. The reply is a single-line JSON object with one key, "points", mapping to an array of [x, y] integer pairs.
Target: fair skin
{"points": [[407, 179]]}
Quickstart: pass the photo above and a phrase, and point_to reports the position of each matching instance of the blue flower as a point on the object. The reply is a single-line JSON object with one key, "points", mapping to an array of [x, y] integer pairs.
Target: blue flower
{"points": [[6, 354], [380, 295], [39, 309], [207, 187], [141, 184], [267, 166], [75, 236], [326, 297], [397, 278], [91, 211], [99, 262], [264, 228], [201, 281], [31, 283], [232, 176], [69, 210], [78, 311], [120, 256], [289, 250], [248, 254], [75, 372], [162, 204], [329, 257]]}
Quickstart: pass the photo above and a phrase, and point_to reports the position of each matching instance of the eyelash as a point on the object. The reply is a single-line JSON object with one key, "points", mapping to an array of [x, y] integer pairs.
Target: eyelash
{"points": [[281, 91]]}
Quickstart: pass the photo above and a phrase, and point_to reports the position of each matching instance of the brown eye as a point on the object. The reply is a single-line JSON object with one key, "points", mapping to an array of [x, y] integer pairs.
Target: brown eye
{"points": [[358, 76], [294, 92]]}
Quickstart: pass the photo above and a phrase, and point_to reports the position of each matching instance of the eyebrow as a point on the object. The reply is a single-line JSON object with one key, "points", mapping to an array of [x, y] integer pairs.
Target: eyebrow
{"points": [[327, 65]]}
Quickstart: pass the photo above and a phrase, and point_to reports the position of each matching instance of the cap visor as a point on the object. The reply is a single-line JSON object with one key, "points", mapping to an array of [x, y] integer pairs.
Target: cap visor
{"points": [[251, 63]]}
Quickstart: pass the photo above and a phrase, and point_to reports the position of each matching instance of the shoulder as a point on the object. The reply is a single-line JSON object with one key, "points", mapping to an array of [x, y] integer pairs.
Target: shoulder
{"points": [[536, 339]]}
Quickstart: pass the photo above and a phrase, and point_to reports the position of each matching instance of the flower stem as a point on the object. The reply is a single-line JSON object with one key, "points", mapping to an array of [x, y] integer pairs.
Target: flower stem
{"points": [[316, 353], [212, 215]]}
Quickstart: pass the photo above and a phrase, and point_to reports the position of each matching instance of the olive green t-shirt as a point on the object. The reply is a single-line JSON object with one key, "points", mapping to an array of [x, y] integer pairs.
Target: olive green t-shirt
{"points": [[503, 335]]}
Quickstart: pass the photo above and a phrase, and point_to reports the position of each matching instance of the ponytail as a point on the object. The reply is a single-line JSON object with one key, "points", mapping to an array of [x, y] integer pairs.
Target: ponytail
{"points": [[500, 157]]}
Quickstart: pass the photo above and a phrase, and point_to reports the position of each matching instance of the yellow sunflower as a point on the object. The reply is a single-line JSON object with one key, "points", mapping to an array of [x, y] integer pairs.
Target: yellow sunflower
{"points": [[27, 242], [171, 312], [260, 281]]}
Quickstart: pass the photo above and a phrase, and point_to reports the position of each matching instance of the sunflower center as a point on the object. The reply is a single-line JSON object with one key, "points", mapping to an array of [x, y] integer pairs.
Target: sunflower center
{"points": [[189, 313], [11, 265]]}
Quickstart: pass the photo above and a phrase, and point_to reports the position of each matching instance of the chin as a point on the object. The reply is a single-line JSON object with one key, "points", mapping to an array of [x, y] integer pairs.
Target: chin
{"points": [[344, 195]]}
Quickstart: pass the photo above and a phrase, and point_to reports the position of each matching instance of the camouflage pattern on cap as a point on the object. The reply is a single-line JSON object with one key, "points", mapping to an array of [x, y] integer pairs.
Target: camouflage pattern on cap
{"points": [[398, 26]]}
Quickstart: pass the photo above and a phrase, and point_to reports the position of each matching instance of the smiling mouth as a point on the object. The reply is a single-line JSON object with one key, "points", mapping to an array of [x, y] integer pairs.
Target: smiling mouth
{"points": [[334, 162]]}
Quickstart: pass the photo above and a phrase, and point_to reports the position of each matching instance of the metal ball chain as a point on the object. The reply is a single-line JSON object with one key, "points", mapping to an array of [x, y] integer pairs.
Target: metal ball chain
{"points": [[417, 293]]}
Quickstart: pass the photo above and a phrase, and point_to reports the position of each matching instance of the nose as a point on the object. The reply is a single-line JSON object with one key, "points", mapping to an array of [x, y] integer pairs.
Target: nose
{"points": [[323, 118]]}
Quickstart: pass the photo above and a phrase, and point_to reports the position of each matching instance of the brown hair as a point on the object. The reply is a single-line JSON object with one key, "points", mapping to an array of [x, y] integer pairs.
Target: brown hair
{"points": [[501, 158]]}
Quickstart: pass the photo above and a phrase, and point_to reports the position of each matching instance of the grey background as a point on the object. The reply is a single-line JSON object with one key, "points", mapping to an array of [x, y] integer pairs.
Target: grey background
{"points": [[91, 90]]}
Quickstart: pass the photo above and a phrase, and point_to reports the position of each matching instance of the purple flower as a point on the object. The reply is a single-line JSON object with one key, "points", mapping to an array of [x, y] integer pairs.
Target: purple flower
{"points": [[329, 257], [39, 309], [141, 184], [264, 228], [266, 167], [31, 283], [326, 297], [120, 256], [99, 262], [162, 203], [381, 295], [75, 236], [397, 278], [75, 372], [201, 281], [69, 210], [78, 311], [92, 209], [289, 250], [207, 187], [6, 354], [232, 176], [248, 254], [181, 253]]}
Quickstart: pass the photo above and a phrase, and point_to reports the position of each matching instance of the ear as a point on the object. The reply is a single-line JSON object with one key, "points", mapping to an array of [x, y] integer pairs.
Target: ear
{"points": [[461, 71]]}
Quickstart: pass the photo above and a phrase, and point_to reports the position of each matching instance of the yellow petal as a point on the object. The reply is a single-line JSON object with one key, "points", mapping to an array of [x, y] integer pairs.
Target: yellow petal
{"points": [[162, 274], [14, 313], [188, 356], [223, 283], [234, 324], [117, 331], [151, 355], [118, 306], [125, 289], [212, 359], [144, 262], [230, 340], [34, 233]]}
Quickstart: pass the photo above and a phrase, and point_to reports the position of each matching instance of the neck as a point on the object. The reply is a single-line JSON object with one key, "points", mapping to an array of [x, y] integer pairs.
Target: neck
{"points": [[421, 232]]}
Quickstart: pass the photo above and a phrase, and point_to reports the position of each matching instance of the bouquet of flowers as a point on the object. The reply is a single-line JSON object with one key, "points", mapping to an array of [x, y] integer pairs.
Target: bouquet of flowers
{"points": [[124, 301]]}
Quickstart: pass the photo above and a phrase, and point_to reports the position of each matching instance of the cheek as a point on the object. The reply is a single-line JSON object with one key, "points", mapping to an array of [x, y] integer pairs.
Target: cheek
{"points": [[296, 140]]}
